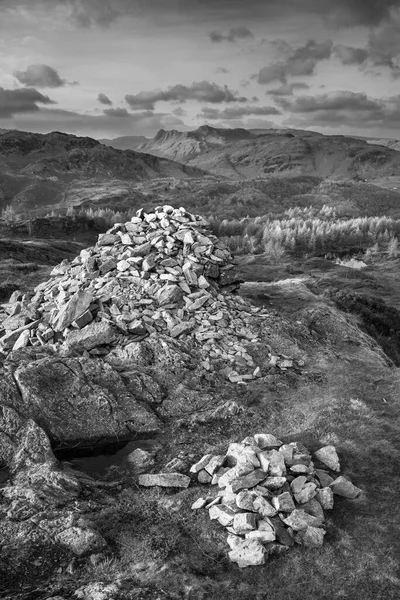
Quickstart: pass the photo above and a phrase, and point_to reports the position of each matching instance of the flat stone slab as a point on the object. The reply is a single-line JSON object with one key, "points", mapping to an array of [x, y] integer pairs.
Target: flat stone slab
{"points": [[164, 480]]}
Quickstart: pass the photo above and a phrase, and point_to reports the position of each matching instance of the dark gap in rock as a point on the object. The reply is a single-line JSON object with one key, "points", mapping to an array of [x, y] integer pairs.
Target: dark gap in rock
{"points": [[96, 461]]}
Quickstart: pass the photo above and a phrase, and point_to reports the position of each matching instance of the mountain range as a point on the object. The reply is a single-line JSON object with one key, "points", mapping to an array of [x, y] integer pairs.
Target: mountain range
{"points": [[241, 153], [39, 170]]}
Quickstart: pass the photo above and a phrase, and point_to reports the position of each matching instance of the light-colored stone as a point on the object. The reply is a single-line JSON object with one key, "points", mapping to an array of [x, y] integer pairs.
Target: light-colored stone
{"points": [[81, 541], [263, 507], [243, 522], [299, 519], [283, 502], [328, 456], [312, 537], [248, 553], [325, 497], [267, 440], [140, 460], [174, 480]]}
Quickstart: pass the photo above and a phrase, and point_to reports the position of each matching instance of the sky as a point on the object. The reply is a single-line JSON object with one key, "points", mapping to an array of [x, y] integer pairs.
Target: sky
{"points": [[109, 68]]}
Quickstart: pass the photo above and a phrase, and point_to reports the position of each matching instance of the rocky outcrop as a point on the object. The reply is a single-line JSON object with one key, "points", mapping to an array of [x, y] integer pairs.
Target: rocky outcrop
{"points": [[81, 402]]}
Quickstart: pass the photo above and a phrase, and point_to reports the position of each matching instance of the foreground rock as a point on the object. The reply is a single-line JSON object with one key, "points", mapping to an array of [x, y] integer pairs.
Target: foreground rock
{"points": [[266, 502], [174, 480]]}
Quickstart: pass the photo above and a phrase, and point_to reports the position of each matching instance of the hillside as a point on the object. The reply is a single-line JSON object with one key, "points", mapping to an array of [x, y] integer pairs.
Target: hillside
{"points": [[102, 356], [125, 142], [238, 153], [39, 171]]}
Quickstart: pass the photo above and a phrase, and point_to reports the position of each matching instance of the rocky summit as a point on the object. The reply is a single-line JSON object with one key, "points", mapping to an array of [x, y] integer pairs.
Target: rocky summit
{"points": [[162, 273]]}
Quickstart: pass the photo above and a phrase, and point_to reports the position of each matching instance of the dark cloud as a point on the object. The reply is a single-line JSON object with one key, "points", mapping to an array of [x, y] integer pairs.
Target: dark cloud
{"points": [[299, 62], [222, 70], [203, 91], [103, 99], [384, 45], [116, 112], [287, 89], [351, 56], [22, 100], [355, 110], [237, 112], [233, 35], [103, 13], [40, 76]]}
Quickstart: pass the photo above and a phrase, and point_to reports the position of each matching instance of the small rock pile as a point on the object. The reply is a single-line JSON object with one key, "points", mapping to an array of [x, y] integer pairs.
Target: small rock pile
{"points": [[271, 495], [163, 274]]}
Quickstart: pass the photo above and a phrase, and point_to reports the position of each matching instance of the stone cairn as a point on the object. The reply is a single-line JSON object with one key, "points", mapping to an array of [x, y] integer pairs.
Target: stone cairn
{"points": [[271, 495], [162, 274]]}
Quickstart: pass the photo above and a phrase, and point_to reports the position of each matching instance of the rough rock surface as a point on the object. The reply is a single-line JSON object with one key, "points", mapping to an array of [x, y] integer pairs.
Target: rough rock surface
{"points": [[259, 509]]}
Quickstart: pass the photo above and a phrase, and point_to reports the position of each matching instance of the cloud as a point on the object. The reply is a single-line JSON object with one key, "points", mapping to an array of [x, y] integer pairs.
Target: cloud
{"points": [[233, 35], [203, 91], [222, 70], [352, 109], [384, 45], [103, 99], [104, 13], [116, 112], [179, 112], [21, 100], [351, 56], [45, 120], [299, 62], [40, 76], [287, 89], [237, 112]]}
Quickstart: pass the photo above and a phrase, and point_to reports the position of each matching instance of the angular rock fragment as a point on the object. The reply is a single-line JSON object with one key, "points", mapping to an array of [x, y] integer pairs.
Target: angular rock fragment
{"points": [[325, 497], [343, 487], [248, 553], [91, 336], [312, 537], [299, 519], [329, 457]]}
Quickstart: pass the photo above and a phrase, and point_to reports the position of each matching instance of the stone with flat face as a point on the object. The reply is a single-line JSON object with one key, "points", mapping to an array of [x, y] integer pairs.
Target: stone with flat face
{"points": [[312, 537], [248, 553], [325, 497], [299, 519], [284, 502], [328, 456], [248, 481], [343, 487]]}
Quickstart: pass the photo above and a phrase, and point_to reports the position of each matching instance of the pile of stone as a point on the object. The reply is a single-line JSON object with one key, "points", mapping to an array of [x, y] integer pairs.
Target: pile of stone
{"points": [[271, 495], [162, 273]]}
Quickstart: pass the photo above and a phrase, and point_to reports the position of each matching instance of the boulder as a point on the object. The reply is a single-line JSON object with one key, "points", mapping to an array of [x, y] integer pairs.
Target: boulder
{"points": [[80, 401]]}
